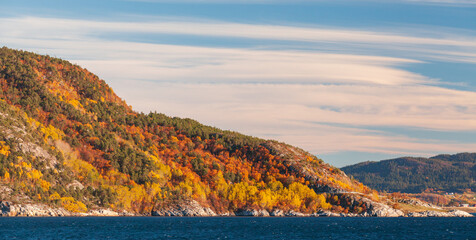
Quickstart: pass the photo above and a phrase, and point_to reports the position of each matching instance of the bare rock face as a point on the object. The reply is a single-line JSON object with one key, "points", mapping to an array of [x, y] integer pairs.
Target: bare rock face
{"points": [[39, 152], [190, 208], [417, 202], [383, 210], [252, 213], [31, 210], [277, 213], [325, 214], [75, 185], [103, 212], [453, 213], [296, 214]]}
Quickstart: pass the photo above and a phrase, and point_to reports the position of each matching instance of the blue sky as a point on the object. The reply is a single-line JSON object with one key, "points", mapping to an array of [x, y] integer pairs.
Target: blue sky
{"points": [[349, 81]]}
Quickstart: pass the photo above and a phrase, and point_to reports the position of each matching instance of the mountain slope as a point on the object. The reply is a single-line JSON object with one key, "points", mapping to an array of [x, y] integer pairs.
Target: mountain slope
{"points": [[450, 173], [91, 150]]}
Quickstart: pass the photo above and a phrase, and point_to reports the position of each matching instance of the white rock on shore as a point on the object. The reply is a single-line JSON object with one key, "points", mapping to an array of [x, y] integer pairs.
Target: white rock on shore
{"points": [[383, 210], [41, 210], [453, 213], [190, 208], [31, 210], [253, 213]]}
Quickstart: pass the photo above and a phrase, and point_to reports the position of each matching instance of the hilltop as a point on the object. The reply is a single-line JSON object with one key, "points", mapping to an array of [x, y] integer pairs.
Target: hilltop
{"points": [[448, 173], [70, 145]]}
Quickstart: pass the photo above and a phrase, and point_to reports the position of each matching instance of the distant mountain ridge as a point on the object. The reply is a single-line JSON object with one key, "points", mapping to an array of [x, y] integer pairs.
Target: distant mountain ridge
{"points": [[450, 173]]}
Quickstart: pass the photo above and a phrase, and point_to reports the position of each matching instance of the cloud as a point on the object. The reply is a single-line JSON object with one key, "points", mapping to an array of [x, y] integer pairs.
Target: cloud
{"points": [[283, 94], [292, 113], [157, 62], [456, 47]]}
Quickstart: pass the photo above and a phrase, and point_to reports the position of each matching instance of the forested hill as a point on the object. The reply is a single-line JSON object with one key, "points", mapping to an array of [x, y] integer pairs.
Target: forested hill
{"points": [[451, 173], [67, 140]]}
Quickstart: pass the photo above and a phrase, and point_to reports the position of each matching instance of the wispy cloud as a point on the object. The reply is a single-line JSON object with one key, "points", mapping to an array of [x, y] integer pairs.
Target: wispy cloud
{"points": [[282, 94], [456, 47], [292, 113]]}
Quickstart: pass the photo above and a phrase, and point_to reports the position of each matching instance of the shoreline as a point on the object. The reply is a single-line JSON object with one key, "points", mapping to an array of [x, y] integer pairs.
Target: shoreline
{"points": [[42, 210]]}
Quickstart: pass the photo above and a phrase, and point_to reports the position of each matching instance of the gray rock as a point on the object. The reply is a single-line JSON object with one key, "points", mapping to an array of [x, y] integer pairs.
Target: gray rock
{"points": [[31, 210], [277, 213], [252, 213], [102, 212], [190, 208], [383, 210], [325, 214], [296, 214], [417, 202], [75, 185], [453, 213]]}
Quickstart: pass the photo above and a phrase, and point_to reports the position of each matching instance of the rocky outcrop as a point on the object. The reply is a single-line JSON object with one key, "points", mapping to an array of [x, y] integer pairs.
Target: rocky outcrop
{"points": [[190, 208], [75, 185], [193, 208], [326, 214], [31, 210], [417, 202], [295, 214], [103, 212], [277, 213], [252, 213], [41, 210], [382, 210], [453, 213]]}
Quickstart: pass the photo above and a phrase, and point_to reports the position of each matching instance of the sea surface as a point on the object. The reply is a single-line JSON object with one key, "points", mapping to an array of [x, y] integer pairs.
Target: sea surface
{"points": [[235, 228]]}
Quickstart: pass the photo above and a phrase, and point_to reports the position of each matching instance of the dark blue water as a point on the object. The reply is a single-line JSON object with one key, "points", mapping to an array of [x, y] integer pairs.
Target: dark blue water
{"points": [[236, 228]]}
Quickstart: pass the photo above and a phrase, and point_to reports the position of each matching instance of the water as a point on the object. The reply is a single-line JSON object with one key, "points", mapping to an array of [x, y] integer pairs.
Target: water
{"points": [[236, 228]]}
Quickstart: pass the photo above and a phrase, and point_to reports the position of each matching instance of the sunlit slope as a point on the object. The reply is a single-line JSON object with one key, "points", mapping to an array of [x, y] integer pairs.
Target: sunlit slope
{"points": [[98, 152]]}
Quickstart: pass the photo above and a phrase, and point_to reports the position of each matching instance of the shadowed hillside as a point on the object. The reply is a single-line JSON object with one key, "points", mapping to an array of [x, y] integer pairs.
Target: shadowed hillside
{"points": [[450, 173]]}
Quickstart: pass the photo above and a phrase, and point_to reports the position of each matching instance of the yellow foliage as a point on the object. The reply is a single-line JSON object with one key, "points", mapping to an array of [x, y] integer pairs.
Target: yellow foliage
{"points": [[44, 185], [275, 185], [128, 198], [83, 169], [54, 197], [35, 174], [75, 103], [26, 166], [4, 149], [72, 205], [7, 175], [52, 132], [242, 192], [221, 185], [267, 198]]}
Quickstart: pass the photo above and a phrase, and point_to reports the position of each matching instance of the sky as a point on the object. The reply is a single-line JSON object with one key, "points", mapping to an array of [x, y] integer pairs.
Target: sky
{"points": [[347, 80]]}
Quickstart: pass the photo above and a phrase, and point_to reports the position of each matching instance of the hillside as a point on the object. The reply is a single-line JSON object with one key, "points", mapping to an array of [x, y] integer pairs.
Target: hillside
{"points": [[68, 142], [449, 173]]}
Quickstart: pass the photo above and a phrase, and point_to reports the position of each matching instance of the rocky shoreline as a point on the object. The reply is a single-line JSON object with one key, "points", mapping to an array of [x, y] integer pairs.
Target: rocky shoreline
{"points": [[194, 209], [41, 210]]}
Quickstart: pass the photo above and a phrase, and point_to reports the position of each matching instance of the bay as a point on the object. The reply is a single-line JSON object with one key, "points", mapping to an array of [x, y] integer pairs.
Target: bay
{"points": [[235, 228]]}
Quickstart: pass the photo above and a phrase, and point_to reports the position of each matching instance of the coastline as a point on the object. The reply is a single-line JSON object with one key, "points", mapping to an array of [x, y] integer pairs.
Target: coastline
{"points": [[42, 210]]}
